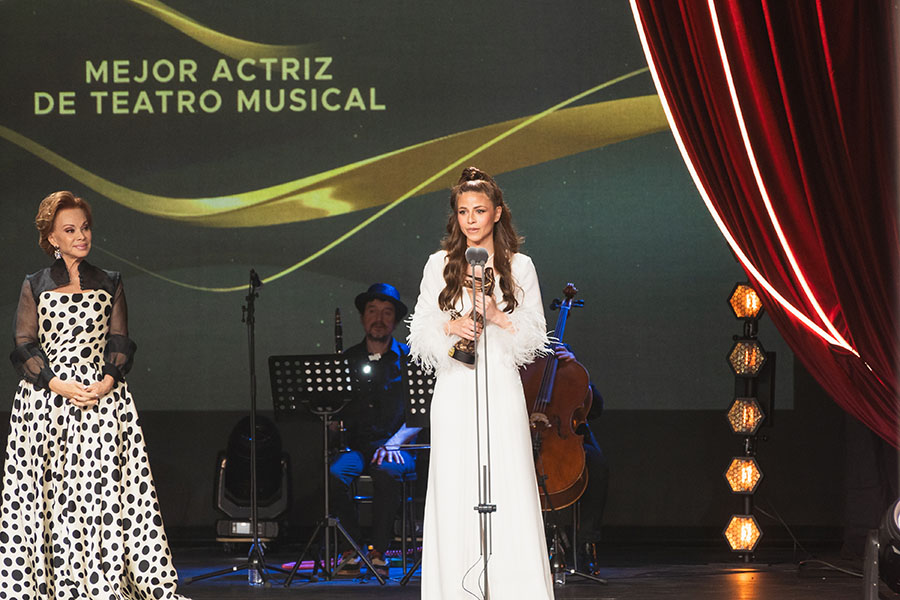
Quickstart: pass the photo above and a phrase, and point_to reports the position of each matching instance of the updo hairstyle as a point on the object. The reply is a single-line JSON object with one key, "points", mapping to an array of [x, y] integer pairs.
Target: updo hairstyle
{"points": [[47, 211]]}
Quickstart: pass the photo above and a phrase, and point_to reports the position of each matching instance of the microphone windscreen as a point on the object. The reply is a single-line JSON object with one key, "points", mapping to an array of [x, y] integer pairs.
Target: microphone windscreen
{"points": [[476, 255]]}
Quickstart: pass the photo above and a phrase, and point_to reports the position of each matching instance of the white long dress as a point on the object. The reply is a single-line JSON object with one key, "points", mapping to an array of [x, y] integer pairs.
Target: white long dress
{"points": [[518, 567]]}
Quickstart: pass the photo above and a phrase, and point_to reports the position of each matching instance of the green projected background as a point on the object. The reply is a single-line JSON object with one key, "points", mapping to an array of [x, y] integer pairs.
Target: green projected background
{"points": [[315, 142]]}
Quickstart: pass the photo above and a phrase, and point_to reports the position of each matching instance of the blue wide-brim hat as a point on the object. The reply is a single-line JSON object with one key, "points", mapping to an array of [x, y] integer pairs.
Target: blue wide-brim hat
{"points": [[382, 291]]}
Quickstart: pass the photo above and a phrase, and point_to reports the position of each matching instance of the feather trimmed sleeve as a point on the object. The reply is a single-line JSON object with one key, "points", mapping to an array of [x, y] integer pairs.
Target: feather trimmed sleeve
{"points": [[429, 345], [528, 338]]}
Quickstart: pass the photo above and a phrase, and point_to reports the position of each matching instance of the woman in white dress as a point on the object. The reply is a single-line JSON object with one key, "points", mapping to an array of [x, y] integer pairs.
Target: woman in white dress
{"points": [[515, 333], [79, 515]]}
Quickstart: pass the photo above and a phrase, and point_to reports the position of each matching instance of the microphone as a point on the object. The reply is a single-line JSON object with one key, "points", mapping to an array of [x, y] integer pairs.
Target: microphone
{"points": [[255, 282], [464, 350], [476, 255], [338, 332]]}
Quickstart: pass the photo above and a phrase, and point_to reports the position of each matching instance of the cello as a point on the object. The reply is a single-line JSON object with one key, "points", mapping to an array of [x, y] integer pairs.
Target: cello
{"points": [[558, 397]]}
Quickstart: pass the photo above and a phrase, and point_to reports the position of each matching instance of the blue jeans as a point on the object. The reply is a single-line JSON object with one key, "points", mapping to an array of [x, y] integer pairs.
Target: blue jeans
{"points": [[387, 479]]}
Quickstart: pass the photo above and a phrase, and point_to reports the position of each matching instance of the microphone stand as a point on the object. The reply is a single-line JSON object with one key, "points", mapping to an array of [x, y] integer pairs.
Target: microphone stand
{"points": [[255, 560], [484, 508]]}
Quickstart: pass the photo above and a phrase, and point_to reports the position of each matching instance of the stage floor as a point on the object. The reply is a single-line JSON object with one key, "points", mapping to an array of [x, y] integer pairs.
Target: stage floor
{"points": [[676, 573]]}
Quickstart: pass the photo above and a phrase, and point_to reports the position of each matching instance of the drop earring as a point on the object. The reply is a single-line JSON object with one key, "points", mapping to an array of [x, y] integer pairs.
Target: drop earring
{"points": [[57, 254]]}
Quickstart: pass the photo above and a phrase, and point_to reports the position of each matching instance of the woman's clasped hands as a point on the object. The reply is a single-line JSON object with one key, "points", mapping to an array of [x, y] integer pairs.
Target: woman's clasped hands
{"points": [[82, 396]]}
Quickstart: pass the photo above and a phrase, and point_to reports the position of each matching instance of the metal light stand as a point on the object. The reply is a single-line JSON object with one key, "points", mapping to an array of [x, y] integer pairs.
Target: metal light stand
{"points": [[255, 559]]}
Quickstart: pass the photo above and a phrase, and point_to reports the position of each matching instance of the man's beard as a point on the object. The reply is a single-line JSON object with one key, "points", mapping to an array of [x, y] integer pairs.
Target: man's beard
{"points": [[379, 340]]}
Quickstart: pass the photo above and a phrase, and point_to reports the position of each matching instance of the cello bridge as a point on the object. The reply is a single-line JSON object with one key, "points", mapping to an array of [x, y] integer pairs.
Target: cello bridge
{"points": [[539, 419]]}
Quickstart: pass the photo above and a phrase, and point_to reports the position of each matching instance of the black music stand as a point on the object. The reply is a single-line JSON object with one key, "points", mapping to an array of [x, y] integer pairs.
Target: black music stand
{"points": [[420, 384], [321, 384]]}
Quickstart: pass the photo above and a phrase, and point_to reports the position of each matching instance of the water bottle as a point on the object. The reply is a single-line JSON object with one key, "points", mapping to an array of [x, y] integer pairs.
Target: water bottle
{"points": [[558, 567], [253, 575]]}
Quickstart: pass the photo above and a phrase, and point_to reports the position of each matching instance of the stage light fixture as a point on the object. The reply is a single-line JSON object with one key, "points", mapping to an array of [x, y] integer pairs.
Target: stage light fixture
{"points": [[745, 416], [754, 372], [889, 548], [743, 533], [232, 484], [745, 302], [743, 475], [746, 357]]}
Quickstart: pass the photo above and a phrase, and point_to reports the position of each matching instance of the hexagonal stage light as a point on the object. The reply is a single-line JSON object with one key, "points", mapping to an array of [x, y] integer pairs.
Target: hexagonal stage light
{"points": [[745, 416], [745, 302], [746, 357], [743, 475], [888, 536], [742, 533]]}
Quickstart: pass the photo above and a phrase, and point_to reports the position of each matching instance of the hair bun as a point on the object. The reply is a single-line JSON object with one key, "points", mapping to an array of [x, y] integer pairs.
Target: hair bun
{"points": [[473, 174]]}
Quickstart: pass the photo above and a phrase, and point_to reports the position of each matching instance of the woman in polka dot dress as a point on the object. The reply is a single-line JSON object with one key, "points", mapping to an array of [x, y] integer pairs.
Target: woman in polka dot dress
{"points": [[79, 515]]}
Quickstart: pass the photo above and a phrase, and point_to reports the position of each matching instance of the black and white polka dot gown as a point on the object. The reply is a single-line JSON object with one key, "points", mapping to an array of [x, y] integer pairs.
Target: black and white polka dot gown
{"points": [[80, 517]]}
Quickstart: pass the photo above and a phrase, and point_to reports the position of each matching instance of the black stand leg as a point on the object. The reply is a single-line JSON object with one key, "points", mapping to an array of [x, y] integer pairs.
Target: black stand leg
{"points": [[557, 539], [253, 562], [312, 576], [412, 570], [575, 573], [327, 527]]}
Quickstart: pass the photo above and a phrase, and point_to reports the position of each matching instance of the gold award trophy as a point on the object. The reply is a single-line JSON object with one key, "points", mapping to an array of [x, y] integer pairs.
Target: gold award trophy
{"points": [[464, 350]]}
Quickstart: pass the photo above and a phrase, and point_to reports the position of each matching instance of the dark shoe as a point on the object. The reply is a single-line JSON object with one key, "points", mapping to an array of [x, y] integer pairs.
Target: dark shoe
{"points": [[348, 565], [587, 558], [379, 562]]}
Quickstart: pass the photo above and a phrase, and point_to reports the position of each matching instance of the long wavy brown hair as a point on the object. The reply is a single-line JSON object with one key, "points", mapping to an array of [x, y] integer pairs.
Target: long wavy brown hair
{"points": [[506, 241]]}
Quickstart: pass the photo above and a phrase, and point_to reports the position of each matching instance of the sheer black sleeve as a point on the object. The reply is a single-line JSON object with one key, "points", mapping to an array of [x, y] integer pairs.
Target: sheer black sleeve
{"points": [[120, 349], [28, 358]]}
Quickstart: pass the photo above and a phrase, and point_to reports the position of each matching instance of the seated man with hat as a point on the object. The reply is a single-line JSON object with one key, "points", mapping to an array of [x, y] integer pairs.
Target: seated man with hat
{"points": [[375, 424]]}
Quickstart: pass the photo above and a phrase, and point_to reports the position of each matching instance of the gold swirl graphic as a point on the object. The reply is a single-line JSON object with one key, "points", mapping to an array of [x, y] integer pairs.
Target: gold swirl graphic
{"points": [[499, 148], [225, 44]]}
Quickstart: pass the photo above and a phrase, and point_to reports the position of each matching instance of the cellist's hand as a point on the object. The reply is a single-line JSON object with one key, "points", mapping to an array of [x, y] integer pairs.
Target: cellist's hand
{"points": [[563, 353]]}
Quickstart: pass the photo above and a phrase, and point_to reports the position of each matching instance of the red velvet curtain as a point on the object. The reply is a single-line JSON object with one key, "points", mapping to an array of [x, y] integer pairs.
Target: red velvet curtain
{"points": [[814, 84]]}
